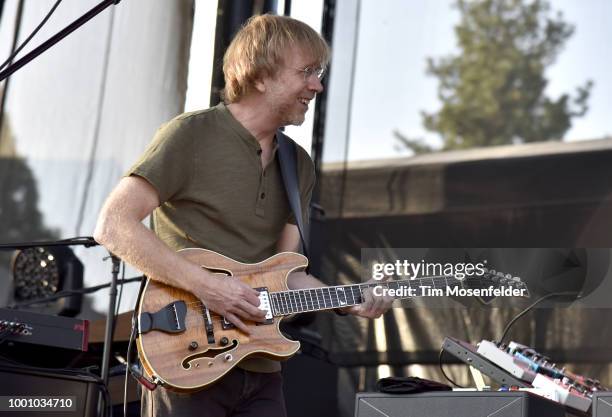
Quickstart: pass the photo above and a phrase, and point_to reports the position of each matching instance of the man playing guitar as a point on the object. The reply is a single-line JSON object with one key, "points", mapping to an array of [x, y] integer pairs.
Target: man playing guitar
{"points": [[211, 179]]}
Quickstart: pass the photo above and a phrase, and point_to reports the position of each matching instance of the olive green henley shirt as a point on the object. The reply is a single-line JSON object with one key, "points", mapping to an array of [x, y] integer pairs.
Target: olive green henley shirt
{"points": [[215, 194]]}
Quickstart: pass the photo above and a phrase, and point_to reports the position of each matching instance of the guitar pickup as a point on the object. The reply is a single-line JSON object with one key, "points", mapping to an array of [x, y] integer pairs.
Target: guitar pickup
{"points": [[208, 325], [264, 304]]}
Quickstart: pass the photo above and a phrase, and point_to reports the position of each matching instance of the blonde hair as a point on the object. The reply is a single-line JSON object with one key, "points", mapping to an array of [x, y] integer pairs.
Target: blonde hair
{"points": [[257, 50]]}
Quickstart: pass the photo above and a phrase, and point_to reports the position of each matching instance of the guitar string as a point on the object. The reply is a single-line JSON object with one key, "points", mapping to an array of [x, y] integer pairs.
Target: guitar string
{"points": [[300, 296], [297, 301]]}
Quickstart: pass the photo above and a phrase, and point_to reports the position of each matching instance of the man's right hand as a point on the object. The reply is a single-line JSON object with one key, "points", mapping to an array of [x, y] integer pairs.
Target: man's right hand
{"points": [[231, 298], [121, 231]]}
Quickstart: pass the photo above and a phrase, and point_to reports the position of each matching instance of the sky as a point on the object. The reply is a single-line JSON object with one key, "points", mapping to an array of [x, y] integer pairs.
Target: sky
{"points": [[388, 87]]}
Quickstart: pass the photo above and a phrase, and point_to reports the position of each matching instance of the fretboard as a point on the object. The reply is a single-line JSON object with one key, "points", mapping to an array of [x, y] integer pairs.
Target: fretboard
{"points": [[327, 298]]}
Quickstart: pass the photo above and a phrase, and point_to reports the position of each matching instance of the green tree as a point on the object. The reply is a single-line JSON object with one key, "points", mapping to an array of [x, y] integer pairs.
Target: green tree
{"points": [[492, 93]]}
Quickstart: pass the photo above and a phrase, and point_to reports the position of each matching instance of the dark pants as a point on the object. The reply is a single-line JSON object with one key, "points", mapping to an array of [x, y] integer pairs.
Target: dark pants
{"points": [[239, 393]]}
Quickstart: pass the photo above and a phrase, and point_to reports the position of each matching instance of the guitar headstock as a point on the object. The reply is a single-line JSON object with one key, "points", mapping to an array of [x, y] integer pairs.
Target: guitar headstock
{"points": [[496, 279]]}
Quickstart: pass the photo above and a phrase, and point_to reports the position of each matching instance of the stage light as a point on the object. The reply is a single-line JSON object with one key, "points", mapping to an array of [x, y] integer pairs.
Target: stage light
{"points": [[42, 272], [35, 274]]}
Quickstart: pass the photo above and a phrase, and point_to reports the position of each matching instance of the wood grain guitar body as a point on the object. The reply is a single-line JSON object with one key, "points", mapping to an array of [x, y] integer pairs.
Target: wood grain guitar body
{"points": [[186, 347]]}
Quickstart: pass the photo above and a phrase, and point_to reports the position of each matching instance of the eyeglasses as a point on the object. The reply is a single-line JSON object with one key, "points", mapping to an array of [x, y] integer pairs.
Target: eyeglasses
{"points": [[308, 72]]}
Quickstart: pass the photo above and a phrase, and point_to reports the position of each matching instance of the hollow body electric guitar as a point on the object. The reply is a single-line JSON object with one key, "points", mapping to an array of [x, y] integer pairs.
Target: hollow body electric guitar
{"points": [[185, 347]]}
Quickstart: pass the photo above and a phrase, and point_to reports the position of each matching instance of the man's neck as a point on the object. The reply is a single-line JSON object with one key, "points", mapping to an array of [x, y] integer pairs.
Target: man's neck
{"points": [[256, 119]]}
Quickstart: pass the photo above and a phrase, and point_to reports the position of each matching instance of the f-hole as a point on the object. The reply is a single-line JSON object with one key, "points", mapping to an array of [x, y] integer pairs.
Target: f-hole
{"points": [[210, 353], [218, 271]]}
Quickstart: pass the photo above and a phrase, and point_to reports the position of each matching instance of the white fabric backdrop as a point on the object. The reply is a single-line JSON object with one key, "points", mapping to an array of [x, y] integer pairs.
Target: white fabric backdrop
{"points": [[83, 112]]}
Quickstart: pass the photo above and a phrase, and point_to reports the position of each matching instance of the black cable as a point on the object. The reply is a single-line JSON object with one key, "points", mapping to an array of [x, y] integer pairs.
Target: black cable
{"points": [[68, 293], [29, 38], [16, 32], [522, 313], [86, 241], [20, 63], [121, 282], [127, 363], [442, 369]]}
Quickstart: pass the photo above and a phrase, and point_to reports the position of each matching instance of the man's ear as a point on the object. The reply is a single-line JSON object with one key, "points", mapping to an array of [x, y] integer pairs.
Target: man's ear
{"points": [[260, 86]]}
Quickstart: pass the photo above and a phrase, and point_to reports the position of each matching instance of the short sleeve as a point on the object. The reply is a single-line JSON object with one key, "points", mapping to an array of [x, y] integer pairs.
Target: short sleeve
{"points": [[167, 163]]}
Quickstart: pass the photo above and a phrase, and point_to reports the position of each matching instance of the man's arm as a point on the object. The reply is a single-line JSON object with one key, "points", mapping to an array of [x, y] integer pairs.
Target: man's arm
{"points": [[120, 230], [372, 307]]}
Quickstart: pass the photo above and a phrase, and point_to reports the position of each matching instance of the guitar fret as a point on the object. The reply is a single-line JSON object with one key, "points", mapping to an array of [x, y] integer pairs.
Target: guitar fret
{"points": [[273, 304], [321, 298], [296, 300], [312, 299], [333, 296], [283, 309], [356, 291], [327, 298], [294, 306], [312, 307], [287, 302], [306, 305], [341, 297], [279, 304], [316, 298]]}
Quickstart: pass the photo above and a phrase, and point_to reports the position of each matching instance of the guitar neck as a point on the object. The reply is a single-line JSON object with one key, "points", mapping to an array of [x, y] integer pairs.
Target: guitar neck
{"points": [[327, 298]]}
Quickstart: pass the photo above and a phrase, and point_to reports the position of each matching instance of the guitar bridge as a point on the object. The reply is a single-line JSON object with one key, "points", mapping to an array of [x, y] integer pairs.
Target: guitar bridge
{"points": [[170, 319]]}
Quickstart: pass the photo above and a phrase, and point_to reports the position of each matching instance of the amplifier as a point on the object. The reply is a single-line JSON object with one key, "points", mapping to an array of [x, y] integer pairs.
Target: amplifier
{"points": [[43, 329], [457, 404], [19, 382], [602, 404]]}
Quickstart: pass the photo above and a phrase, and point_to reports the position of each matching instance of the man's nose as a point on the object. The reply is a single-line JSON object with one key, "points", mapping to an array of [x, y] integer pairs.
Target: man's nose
{"points": [[315, 84]]}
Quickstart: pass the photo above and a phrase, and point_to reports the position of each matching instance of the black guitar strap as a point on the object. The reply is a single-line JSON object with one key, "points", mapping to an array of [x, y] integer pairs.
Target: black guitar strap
{"points": [[287, 154]]}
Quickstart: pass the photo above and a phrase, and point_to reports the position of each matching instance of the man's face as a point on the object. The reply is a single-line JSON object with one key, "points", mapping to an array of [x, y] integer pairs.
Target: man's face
{"points": [[289, 93]]}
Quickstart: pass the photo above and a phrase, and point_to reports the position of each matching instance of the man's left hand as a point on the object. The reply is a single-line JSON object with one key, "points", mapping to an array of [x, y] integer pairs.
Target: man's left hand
{"points": [[373, 306]]}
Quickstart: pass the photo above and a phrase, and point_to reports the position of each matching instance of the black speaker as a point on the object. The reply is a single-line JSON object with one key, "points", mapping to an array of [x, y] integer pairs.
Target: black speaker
{"points": [[602, 404], [17, 383], [457, 404]]}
